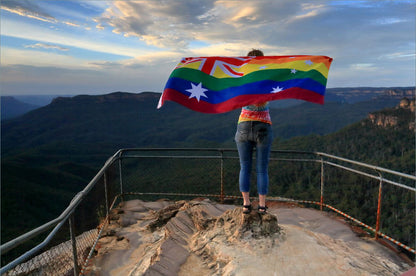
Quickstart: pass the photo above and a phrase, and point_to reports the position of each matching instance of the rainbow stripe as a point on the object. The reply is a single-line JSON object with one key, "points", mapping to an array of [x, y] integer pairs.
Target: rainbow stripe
{"points": [[221, 84]]}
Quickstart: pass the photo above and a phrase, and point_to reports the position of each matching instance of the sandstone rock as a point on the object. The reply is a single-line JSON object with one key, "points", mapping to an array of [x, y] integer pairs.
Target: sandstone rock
{"points": [[206, 238], [165, 214], [253, 225]]}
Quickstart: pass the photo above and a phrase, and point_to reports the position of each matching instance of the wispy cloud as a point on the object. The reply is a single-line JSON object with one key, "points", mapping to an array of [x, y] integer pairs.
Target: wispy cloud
{"points": [[24, 30], [309, 11], [46, 46], [36, 57], [363, 66], [71, 24], [28, 9], [400, 55]]}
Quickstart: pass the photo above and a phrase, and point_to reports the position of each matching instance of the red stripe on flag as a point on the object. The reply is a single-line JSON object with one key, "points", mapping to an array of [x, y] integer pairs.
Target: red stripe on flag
{"points": [[240, 101]]}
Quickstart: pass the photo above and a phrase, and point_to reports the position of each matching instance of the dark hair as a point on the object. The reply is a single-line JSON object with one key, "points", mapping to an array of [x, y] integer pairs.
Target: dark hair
{"points": [[255, 52]]}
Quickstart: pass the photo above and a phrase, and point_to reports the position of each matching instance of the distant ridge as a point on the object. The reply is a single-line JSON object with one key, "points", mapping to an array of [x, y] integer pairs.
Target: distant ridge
{"points": [[357, 94], [111, 97], [11, 107]]}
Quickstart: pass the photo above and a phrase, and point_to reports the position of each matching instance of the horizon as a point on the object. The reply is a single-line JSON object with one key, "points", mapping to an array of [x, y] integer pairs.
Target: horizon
{"points": [[119, 91], [45, 99], [72, 47]]}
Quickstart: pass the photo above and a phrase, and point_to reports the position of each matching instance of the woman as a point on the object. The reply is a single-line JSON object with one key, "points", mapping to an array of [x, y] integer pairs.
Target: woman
{"points": [[254, 131]]}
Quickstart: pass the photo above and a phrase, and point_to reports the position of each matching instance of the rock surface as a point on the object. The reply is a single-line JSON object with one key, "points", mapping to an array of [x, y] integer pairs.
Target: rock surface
{"points": [[206, 238]]}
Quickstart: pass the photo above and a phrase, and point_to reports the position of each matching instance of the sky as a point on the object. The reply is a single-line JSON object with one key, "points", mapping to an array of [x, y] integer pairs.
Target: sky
{"points": [[98, 47]]}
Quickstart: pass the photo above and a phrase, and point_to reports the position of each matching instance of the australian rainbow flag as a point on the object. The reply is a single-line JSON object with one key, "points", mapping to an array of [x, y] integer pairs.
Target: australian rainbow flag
{"points": [[221, 84]]}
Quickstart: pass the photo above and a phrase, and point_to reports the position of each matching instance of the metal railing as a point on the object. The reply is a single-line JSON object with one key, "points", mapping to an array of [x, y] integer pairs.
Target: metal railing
{"points": [[197, 172]]}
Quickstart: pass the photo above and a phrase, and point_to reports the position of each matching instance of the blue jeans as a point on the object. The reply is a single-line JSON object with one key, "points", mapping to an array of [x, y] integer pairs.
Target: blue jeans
{"points": [[252, 135]]}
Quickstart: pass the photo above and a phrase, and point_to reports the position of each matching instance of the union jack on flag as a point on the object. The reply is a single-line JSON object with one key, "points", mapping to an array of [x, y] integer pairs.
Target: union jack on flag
{"points": [[209, 65]]}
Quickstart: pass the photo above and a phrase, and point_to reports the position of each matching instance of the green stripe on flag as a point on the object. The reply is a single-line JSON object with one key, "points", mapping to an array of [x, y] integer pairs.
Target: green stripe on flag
{"points": [[216, 84]]}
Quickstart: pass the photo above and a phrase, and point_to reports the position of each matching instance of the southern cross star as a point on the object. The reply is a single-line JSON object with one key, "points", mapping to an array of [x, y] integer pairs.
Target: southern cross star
{"points": [[276, 89], [293, 71], [197, 91], [308, 62]]}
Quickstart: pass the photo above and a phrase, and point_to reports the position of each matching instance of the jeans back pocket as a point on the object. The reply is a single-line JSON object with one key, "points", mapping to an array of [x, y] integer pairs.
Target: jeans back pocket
{"points": [[242, 132]]}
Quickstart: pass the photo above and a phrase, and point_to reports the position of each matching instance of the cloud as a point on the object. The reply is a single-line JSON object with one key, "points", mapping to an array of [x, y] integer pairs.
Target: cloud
{"points": [[19, 29], [364, 66], [26, 8], [166, 59], [309, 11], [175, 24], [281, 27], [14, 57], [226, 49], [34, 57], [46, 46], [29, 9], [165, 24], [71, 24], [400, 55], [29, 79]]}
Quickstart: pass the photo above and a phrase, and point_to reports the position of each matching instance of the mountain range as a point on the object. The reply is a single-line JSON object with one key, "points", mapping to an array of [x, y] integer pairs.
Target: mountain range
{"points": [[14, 106], [129, 119], [11, 107]]}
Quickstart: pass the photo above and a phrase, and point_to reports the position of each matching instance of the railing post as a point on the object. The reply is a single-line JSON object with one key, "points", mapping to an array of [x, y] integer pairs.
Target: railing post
{"points": [[222, 177], [121, 178], [322, 184], [74, 244], [380, 188], [106, 195]]}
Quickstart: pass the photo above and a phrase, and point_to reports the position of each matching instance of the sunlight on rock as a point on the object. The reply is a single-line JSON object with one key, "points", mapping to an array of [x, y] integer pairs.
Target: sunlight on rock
{"points": [[206, 238]]}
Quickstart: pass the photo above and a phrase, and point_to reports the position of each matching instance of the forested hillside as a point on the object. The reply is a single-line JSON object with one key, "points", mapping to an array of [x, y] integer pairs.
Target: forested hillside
{"points": [[384, 144], [385, 138], [103, 124]]}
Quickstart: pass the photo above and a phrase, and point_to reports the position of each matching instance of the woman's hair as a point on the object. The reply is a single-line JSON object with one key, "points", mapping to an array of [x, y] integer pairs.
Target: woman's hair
{"points": [[255, 52]]}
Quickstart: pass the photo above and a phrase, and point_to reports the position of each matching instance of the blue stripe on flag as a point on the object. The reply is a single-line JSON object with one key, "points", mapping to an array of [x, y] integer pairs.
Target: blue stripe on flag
{"points": [[260, 87]]}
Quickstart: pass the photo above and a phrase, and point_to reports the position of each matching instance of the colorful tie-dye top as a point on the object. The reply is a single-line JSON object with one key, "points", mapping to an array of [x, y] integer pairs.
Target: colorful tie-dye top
{"points": [[255, 112]]}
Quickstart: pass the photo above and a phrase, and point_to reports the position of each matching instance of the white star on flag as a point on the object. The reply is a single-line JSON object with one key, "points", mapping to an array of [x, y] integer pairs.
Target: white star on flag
{"points": [[293, 71], [276, 89], [197, 91], [262, 67], [308, 62]]}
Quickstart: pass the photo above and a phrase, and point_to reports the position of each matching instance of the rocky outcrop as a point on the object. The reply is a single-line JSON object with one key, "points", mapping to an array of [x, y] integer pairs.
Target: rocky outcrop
{"points": [[201, 237], [401, 92], [405, 103], [191, 228], [383, 120], [403, 115]]}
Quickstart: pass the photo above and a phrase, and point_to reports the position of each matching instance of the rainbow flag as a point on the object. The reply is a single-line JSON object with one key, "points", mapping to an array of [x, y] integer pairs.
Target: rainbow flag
{"points": [[222, 84]]}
